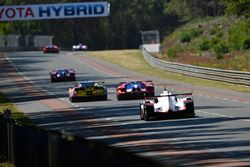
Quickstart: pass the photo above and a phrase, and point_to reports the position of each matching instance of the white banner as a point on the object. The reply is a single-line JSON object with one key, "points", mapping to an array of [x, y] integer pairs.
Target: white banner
{"points": [[54, 11]]}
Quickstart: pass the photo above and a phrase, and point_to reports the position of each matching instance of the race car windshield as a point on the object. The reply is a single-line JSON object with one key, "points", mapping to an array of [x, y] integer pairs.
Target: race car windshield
{"points": [[63, 71], [87, 84], [134, 84]]}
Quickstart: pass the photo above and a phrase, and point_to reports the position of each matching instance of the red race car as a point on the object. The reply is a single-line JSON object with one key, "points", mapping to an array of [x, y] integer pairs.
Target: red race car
{"points": [[134, 90], [51, 49], [63, 75]]}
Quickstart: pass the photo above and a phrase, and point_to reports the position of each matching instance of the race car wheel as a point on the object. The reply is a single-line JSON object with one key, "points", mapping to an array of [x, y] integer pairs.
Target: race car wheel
{"points": [[141, 113], [72, 99], [145, 115], [150, 94], [105, 97], [119, 98]]}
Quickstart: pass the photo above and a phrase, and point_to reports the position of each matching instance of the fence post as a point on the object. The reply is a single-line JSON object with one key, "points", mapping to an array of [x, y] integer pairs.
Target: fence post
{"points": [[53, 146], [3, 138]]}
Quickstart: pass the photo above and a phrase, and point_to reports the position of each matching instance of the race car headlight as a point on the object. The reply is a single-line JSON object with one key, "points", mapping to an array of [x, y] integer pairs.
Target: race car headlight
{"points": [[58, 75]]}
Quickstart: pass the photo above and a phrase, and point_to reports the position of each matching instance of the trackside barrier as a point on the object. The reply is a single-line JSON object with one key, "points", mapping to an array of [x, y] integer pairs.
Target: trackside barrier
{"points": [[229, 76], [33, 147], [3, 139], [12, 41]]}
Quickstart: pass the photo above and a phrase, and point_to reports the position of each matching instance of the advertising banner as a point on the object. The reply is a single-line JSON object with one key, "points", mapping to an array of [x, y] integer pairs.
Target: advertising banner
{"points": [[54, 11]]}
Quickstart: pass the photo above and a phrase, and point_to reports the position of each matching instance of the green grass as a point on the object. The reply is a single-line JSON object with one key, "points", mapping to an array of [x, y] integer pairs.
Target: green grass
{"points": [[6, 164], [15, 113], [137, 63], [220, 39]]}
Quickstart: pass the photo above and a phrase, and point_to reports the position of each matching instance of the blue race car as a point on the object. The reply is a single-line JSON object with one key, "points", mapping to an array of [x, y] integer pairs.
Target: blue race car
{"points": [[134, 90], [62, 75]]}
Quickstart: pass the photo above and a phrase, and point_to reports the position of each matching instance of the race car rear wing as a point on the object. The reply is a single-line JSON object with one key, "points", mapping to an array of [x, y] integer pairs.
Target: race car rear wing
{"points": [[120, 83], [170, 95]]}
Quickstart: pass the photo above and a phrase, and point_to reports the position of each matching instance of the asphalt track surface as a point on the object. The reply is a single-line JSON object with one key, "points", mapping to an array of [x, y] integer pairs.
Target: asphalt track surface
{"points": [[217, 136]]}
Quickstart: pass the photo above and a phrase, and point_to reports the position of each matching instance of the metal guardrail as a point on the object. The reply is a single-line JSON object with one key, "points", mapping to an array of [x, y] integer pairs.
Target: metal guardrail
{"points": [[229, 76]]}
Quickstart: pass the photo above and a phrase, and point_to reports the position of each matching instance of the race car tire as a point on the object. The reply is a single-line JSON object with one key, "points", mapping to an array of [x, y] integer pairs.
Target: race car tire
{"points": [[192, 115], [72, 99], [141, 111], [105, 97], [150, 94], [119, 98], [146, 116], [190, 107]]}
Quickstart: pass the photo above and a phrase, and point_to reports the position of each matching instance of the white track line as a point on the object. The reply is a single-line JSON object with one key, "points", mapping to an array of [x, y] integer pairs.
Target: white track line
{"points": [[221, 115]]}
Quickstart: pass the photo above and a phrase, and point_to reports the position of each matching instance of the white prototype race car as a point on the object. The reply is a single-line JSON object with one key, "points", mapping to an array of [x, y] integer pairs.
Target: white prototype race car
{"points": [[79, 47], [167, 104]]}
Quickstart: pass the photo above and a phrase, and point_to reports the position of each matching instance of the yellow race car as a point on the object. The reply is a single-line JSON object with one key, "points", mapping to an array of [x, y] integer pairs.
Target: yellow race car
{"points": [[88, 91]]}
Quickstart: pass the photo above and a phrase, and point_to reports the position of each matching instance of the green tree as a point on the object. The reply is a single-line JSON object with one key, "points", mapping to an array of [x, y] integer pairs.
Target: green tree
{"points": [[119, 30], [189, 9], [239, 7]]}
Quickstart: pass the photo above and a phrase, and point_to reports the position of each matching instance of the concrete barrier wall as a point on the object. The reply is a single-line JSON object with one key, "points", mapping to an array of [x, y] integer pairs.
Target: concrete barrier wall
{"points": [[28, 41], [42, 40], [13, 41]]}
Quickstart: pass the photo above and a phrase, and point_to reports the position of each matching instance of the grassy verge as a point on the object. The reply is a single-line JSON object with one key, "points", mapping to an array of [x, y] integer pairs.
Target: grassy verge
{"points": [[15, 113], [133, 60], [217, 42], [6, 164]]}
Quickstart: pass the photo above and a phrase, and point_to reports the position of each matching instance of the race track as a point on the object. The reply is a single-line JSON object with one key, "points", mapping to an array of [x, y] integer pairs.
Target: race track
{"points": [[217, 136]]}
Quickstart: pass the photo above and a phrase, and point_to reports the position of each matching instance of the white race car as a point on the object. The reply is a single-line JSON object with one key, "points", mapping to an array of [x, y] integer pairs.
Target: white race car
{"points": [[167, 104], [79, 47]]}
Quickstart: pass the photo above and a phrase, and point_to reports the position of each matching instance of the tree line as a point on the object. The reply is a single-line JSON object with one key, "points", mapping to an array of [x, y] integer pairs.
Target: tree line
{"points": [[121, 30]]}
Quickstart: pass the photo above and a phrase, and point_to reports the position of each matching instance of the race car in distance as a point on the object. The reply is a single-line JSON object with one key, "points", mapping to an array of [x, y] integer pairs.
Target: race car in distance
{"points": [[51, 49], [62, 75], [79, 47], [167, 104], [88, 91], [134, 90]]}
